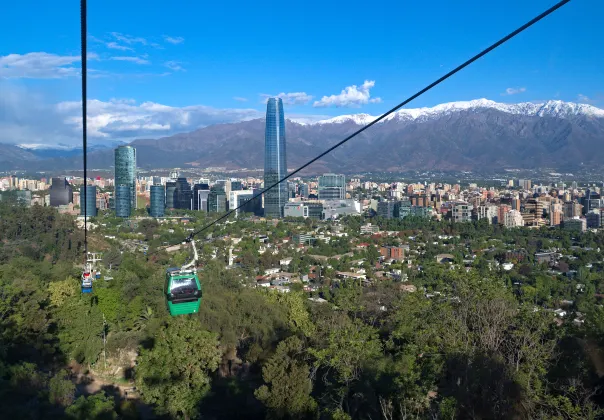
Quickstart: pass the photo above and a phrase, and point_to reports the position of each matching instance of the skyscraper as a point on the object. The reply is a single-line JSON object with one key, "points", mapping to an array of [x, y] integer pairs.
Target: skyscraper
{"points": [[90, 204], [217, 201], [125, 173], [200, 196], [183, 194], [332, 187], [275, 163], [171, 197], [123, 206], [61, 192], [157, 203]]}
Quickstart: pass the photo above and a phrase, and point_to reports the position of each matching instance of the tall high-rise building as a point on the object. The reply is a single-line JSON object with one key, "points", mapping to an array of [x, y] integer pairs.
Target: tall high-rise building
{"points": [[123, 205], [61, 192], [303, 190], [332, 187], [275, 163], [217, 200], [88, 201], [157, 202], [171, 197], [125, 173], [200, 196], [183, 194]]}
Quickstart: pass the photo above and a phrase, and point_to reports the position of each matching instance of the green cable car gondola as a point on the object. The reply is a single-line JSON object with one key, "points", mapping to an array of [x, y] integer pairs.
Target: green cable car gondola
{"points": [[182, 288]]}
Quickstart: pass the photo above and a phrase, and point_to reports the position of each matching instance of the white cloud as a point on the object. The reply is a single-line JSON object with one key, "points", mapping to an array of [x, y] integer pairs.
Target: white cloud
{"points": [[173, 65], [293, 98], [28, 118], [39, 65], [129, 39], [136, 60], [351, 96], [514, 91], [174, 39], [584, 99], [116, 46], [240, 99]]}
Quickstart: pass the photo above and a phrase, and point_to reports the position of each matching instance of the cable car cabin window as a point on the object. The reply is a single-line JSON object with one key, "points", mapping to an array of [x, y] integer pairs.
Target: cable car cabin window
{"points": [[183, 286]]}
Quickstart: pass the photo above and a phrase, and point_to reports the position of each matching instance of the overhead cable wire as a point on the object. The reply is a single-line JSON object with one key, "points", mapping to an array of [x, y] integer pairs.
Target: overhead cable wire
{"points": [[396, 108], [84, 103]]}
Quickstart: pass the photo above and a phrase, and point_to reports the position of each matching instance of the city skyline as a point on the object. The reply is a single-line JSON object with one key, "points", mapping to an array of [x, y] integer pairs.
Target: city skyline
{"points": [[144, 82]]}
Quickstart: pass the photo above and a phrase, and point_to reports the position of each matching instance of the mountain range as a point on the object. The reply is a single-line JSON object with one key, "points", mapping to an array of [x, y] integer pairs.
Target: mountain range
{"points": [[474, 135]]}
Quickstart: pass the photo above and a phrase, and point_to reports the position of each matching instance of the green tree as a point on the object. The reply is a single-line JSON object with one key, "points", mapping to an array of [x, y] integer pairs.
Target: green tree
{"points": [[288, 386], [93, 407], [60, 291], [174, 374], [61, 389]]}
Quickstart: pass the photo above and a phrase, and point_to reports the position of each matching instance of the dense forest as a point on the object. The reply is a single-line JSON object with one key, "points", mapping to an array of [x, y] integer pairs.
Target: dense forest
{"points": [[479, 349]]}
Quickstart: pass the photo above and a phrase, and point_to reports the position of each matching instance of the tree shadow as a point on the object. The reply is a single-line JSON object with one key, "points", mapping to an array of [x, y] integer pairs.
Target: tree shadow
{"points": [[482, 386]]}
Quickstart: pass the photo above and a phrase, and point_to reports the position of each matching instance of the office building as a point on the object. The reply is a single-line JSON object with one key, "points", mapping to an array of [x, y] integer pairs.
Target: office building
{"points": [[123, 203], [591, 201], [295, 209], [332, 187], [236, 186], [332, 209], [311, 209], [575, 224], [61, 192], [217, 201], [157, 204], [88, 201], [275, 162], [388, 209], [125, 174], [572, 209], [171, 196], [533, 213], [303, 190], [182, 194], [201, 192], [238, 198], [593, 219]]}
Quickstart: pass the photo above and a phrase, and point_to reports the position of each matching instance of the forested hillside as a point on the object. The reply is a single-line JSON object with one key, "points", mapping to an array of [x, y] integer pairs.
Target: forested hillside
{"points": [[468, 346]]}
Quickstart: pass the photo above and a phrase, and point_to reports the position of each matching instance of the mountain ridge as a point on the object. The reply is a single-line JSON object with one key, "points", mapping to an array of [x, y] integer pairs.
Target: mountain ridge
{"points": [[472, 135]]}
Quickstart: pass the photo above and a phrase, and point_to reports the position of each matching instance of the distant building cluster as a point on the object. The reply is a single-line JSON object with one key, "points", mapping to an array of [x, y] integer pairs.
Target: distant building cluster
{"points": [[514, 203]]}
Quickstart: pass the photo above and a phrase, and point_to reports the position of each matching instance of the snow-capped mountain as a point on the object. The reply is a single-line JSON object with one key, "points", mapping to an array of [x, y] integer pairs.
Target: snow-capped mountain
{"points": [[471, 135], [558, 109]]}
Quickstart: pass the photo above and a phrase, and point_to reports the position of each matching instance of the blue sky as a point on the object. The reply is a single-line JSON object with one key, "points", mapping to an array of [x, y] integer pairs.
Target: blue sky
{"points": [[160, 67]]}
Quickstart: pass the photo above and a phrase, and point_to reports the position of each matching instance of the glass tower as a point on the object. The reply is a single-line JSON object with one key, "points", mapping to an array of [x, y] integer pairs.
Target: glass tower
{"points": [[171, 198], [61, 192], [332, 187], [125, 173], [275, 163], [123, 205], [90, 203], [157, 201], [183, 194], [217, 202], [200, 197]]}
